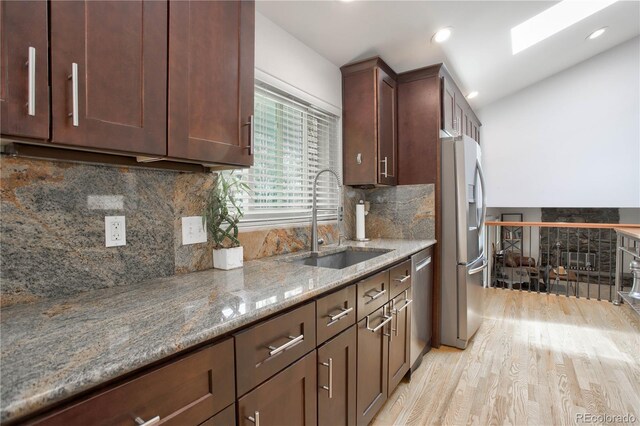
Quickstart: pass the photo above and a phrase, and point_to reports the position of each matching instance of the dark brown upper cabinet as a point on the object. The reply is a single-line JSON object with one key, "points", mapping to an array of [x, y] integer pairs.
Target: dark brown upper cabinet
{"points": [[109, 75], [430, 106], [369, 108], [24, 69], [211, 81]]}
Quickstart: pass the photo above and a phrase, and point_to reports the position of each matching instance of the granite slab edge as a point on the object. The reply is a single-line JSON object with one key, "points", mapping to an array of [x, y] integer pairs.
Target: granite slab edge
{"points": [[80, 367]]}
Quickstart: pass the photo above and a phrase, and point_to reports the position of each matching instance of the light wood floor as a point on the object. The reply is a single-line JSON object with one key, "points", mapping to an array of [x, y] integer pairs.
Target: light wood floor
{"points": [[537, 360]]}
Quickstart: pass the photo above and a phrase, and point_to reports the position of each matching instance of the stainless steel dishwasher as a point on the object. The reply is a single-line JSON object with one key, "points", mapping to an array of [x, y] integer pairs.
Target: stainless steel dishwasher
{"points": [[421, 312]]}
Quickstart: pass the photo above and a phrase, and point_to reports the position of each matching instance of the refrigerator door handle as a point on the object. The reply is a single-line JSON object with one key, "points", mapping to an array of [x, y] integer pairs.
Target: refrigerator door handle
{"points": [[479, 268], [483, 214]]}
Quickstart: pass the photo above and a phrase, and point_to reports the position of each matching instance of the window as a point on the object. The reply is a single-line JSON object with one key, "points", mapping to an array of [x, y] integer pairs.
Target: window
{"points": [[292, 142]]}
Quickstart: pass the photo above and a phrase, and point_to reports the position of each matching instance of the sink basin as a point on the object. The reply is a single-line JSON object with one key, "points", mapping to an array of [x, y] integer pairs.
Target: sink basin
{"points": [[341, 259]]}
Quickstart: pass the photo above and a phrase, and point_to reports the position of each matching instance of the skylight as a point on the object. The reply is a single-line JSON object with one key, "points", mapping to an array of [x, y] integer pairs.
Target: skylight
{"points": [[553, 20]]}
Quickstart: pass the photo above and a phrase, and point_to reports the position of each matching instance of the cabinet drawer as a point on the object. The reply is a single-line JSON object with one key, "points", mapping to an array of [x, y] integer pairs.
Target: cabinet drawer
{"points": [[226, 417], [335, 312], [400, 278], [372, 293], [185, 392], [270, 346]]}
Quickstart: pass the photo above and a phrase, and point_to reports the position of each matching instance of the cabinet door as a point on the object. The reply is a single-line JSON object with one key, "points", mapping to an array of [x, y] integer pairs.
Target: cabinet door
{"points": [[448, 107], [24, 36], [289, 398], [459, 118], [373, 356], [337, 380], [387, 129], [211, 56], [399, 341], [116, 97]]}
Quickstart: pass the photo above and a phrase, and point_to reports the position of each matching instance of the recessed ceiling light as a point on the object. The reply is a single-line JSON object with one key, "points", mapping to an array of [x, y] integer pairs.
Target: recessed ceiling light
{"points": [[442, 35], [597, 33], [553, 20], [472, 95]]}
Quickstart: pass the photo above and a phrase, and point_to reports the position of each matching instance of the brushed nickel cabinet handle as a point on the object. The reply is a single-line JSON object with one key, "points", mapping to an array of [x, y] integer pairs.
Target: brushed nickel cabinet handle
{"points": [[31, 78], [406, 303], [337, 317], [74, 94], [151, 422], [250, 123], [379, 326], [255, 419], [375, 296], [294, 341], [385, 173], [329, 388], [402, 279]]}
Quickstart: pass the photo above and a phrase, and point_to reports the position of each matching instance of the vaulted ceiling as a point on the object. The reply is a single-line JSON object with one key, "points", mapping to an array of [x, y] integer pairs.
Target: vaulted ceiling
{"points": [[479, 51]]}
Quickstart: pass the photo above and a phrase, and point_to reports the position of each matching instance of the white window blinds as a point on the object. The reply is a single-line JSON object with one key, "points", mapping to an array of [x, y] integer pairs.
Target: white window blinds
{"points": [[292, 142]]}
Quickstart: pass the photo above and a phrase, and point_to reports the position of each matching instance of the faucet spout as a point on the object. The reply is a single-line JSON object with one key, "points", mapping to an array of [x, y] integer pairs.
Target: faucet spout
{"points": [[314, 208]]}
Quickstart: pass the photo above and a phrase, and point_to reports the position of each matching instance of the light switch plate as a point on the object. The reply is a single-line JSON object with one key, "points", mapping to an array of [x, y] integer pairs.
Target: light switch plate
{"points": [[193, 230], [115, 231]]}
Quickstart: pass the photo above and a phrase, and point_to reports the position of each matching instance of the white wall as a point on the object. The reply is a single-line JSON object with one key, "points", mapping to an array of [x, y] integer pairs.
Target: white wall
{"points": [[571, 140], [281, 58]]}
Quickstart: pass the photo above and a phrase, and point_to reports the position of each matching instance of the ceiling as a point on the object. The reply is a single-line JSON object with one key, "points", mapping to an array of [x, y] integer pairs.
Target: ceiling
{"points": [[479, 50]]}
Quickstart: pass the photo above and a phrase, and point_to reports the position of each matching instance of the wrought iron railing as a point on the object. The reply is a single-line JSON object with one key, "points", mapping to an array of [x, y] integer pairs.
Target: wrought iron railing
{"points": [[570, 259]]}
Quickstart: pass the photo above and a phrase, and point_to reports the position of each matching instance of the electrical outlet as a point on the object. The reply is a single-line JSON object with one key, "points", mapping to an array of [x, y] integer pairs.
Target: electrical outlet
{"points": [[115, 231], [193, 230]]}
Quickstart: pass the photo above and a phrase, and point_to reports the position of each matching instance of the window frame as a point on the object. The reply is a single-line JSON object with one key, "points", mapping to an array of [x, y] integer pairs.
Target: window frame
{"points": [[295, 95]]}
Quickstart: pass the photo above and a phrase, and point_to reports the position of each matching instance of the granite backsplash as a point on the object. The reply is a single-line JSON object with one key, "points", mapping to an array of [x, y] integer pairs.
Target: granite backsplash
{"points": [[52, 227], [406, 211]]}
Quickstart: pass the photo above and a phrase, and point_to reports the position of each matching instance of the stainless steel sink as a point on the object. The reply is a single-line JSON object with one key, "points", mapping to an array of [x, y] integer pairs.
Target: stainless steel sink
{"points": [[341, 259]]}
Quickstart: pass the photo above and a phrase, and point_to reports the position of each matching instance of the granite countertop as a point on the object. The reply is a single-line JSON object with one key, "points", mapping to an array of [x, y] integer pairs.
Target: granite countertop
{"points": [[56, 348]]}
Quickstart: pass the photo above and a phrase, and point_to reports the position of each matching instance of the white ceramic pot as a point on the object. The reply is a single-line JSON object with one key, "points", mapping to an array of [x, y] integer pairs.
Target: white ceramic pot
{"points": [[228, 258]]}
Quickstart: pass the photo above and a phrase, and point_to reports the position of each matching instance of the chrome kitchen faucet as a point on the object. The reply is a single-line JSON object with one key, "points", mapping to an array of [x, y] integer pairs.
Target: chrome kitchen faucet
{"points": [[314, 210]]}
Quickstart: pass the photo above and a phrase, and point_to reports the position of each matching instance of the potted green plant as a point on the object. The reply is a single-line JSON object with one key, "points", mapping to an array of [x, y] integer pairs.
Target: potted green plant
{"points": [[222, 215]]}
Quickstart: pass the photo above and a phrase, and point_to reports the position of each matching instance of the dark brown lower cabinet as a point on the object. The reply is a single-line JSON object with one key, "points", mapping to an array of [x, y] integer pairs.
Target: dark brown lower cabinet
{"points": [[399, 355], [373, 352], [288, 398], [226, 417], [337, 380]]}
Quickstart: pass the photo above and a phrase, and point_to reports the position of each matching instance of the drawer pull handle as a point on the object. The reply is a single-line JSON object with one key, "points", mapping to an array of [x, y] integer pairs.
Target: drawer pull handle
{"points": [[330, 387], [151, 422], [375, 296], [379, 326], [402, 279], [337, 317], [255, 419], [406, 303], [294, 341]]}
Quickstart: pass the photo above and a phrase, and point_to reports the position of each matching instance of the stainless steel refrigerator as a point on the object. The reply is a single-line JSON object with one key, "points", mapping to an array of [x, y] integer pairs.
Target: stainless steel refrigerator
{"points": [[463, 213]]}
